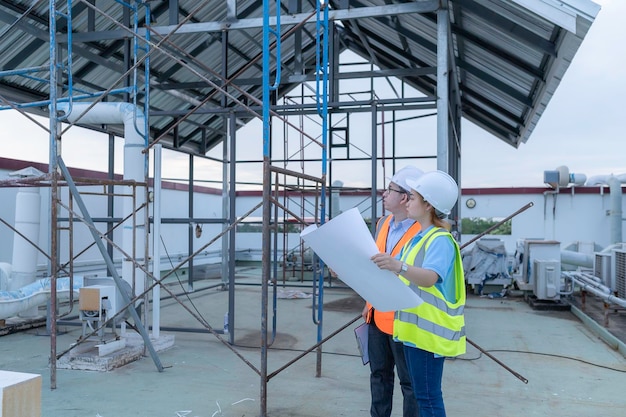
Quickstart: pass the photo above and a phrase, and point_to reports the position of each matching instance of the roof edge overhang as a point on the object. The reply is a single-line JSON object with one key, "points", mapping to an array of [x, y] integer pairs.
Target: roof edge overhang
{"points": [[575, 18]]}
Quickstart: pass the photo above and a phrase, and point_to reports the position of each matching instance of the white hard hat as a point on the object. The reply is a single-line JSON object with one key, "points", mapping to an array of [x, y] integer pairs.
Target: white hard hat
{"points": [[408, 172], [437, 188]]}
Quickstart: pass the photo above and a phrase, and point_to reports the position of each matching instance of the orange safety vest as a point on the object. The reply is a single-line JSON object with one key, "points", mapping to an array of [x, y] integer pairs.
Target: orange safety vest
{"points": [[384, 319]]}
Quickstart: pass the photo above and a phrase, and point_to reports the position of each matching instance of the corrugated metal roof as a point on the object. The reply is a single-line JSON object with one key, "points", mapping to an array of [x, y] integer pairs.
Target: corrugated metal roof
{"points": [[508, 59]]}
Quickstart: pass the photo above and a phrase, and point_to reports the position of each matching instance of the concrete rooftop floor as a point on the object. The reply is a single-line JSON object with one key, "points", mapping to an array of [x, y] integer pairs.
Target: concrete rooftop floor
{"points": [[570, 370]]}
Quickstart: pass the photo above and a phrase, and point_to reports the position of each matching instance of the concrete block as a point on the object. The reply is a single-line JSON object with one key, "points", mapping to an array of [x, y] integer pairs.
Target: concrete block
{"points": [[20, 394]]}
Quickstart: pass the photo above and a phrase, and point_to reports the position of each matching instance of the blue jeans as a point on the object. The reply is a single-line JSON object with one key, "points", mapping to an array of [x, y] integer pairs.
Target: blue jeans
{"points": [[426, 373], [384, 354]]}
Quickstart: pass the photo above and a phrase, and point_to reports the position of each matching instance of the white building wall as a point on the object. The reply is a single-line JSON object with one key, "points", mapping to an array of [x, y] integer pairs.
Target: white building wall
{"points": [[570, 216], [527, 224], [175, 237], [580, 214], [565, 217]]}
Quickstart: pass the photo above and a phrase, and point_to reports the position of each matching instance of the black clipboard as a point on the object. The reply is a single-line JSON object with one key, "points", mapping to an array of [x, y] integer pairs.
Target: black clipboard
{"points": [[361, 339]]}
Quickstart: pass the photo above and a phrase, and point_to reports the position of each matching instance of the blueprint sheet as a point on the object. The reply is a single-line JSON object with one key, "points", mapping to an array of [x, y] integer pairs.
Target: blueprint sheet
{"points": [[346, 245]]}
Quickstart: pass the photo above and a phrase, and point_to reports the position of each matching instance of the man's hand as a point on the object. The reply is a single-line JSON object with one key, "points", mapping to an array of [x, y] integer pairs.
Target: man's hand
{"points": [[364, 312]]}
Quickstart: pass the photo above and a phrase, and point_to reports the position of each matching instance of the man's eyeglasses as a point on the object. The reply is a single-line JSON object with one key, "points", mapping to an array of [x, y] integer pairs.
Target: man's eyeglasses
{"points": [[413, 196], [389, 189]]}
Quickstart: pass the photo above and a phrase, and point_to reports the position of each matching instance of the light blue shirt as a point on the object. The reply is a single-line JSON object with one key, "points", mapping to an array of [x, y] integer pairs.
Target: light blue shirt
{"points": [[396, 231], [440, 259]]}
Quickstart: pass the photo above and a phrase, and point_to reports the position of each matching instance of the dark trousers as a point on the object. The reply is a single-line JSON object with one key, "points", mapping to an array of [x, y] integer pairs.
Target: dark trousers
{"points": [[384, 354]]}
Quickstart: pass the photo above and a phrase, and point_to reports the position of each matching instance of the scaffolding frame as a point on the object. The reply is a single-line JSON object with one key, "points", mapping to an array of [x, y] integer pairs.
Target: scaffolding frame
{"points": [[327, 96]]}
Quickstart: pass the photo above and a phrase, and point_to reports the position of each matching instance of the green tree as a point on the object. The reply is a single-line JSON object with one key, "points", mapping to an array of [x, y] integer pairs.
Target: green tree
{"points": [[477, 225]]}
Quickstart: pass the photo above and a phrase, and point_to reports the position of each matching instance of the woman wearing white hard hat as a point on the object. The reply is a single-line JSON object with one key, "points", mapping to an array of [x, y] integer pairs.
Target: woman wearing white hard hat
{"points": [[431, 265]]}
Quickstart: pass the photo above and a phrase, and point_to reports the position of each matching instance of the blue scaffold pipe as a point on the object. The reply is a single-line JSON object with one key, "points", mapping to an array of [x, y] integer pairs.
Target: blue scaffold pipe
{"points": [[70, 79]]}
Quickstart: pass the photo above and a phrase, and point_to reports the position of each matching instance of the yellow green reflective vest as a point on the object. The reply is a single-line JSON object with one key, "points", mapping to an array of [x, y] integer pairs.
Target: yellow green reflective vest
{"points": [[436, 325]]}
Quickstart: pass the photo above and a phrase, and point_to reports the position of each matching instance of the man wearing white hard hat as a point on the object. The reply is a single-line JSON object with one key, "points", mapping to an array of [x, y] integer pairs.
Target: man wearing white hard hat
{"points": [[431, 265], [385, 354]]}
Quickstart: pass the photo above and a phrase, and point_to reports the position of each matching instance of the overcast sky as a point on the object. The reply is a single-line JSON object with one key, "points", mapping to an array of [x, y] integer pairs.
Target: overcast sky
{"points": [[582, 127]]}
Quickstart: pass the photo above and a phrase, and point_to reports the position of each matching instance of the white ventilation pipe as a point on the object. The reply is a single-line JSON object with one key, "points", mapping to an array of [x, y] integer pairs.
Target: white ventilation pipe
{"points": [[577, 258], [24, 260], [156, 243], [615, 211], [5, 275], [133, 120], [604, 179], [335, 198], [615, 188]]}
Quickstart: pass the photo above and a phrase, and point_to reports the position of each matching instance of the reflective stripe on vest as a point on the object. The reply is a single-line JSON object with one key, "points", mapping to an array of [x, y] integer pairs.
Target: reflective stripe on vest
{"points": [[431, 327], [436, 325], [438, 302], [384, 319]]}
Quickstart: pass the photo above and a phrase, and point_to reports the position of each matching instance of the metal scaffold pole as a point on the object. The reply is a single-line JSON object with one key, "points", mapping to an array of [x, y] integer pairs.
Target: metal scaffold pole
{"points": [[321, 97], [321, 83], [53, 206], [265, 257], [54, 152]]}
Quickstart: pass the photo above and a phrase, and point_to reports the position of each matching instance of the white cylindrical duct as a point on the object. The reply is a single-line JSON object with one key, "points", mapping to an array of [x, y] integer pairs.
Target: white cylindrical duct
{"points": [[24, 260], [616, 209], [604, 179], [5, 275], [577, 258], [156, 243], [334, 196], [133, 120], [566, 177], [615, 212]]}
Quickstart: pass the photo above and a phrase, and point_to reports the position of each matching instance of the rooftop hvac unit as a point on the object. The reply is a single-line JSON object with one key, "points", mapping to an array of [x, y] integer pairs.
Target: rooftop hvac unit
{"points": [[534, 250], [602, 267], [99, 300], [619, 272], [97, 303], [547, 280]]}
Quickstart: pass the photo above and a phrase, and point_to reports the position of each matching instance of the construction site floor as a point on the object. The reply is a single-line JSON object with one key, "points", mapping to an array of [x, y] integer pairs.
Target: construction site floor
{"points": [[570, 370]]}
